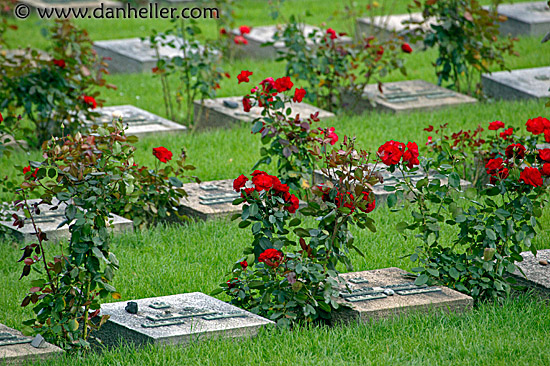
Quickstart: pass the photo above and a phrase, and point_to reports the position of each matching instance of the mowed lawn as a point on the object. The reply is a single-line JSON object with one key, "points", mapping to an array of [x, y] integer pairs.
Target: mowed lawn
{"points": [[175, 259]]}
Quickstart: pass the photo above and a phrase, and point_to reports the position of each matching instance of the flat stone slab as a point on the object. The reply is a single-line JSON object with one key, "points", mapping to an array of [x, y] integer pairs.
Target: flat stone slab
{"points": [[15, 348], [140, 122], [259, 36], [74, 4], [210, 200], [132, 55], [525, 19], [384, 26], [177, 319], [535, 274], [227, 111], [48, 221], [406, 96], [518, 84], [389, 179], [371, 297]]}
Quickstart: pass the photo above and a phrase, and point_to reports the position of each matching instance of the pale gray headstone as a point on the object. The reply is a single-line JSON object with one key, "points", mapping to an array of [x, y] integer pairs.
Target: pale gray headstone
{"points": [[210, 200], [525, 18], [15, 348], [518, 84], [536, 271]]}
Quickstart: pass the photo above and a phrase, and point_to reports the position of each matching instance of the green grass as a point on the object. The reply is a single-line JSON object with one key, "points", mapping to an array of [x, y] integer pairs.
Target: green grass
{"points": [[196, 257]]}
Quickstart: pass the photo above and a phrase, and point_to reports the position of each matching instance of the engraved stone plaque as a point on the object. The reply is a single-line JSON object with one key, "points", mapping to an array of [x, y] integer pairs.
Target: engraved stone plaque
{"points": [[525, 19], [177, 319], [74, 4], [391, 179], [133, 55], [536, 274], [48, 221], [210, 200], [224, 112], [389, 292], [384, 26], [406, 96], [16, 348], [139, 121], [264, 34], [518, 84]]}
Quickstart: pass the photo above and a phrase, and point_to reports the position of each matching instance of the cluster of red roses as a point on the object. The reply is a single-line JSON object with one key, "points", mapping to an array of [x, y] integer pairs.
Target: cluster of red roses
{"points": [[347, 199], [496, 125], [239, 39], [329, 134], [539, 125], [27, 169], [271, 257], [261, 181], [497, 168], [392, 152], [162, 153], [269, 89]]}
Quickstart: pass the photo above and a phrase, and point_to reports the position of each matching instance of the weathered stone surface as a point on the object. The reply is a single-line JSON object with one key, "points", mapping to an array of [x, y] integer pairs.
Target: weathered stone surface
{"points": [[210, 200], [75, 4], [406, 96], [170, 321], [389, 179], [384, 26], [224, 112], [518, 84], [379, 284], [264, 34], [133, 55], [535, 275], [48, 220], [9, 140], [525, 19], [20, 350], [139, 121]]}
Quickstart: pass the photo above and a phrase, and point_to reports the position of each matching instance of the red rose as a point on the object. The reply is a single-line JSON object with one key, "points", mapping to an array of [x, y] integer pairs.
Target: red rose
{"points": [[430, 140], [239, 182], [244, 264], [370, 206], [162, 153], [507, 133], [496, 125], [243, 76], [240, 40], [283, 84], [59, 63], [537, 125], [299, 94], [332, 135], [247, 192], [271, 257], [26, 169], [545, 170], [544, 154], [344, 200], [531, 176], [391, 152], [267, 84], [405, 47], [411, 155], [244, 29], [493, 165], [246, 104], [232, 282], [1, 118], [332, 33], [223, 31], [262, 182], [90, 101], [547, 135], [278, 186], [517, 150], [293, 201]]}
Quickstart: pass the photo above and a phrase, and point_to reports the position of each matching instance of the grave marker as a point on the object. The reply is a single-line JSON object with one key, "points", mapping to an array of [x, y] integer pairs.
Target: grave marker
{"points": [[17, 348], [536, 271], [406, 96], [210, 200], [223, 112], [177, 319], [525, 19], [518, 84], [264, 34], [48, 221], [384, 293], [385, 26], [139, 121]]}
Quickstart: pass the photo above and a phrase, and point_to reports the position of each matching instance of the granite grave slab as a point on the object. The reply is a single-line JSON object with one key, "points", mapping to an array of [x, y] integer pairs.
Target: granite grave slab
{"points": [[259, 36], [388, 292], [74, 4], [48, 220], [518, 84], [525, 18], [389, 179], [224, 112], [210, 200], [406, 96], [132, 55], [385, 26], [138, 121], [177, 319], [15, 348], [536, 271]]}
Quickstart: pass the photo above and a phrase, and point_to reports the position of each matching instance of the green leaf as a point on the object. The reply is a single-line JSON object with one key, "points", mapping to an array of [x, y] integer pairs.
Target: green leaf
{"points": [[421, 280], [490, 234], [454, 273]]}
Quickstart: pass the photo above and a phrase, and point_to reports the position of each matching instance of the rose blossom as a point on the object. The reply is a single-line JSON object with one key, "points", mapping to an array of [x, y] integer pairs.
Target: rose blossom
{"points": [[243, 76], [411, 155], [544, 155], [244, 29], [496, 125], [299, 94], [246, 104], [59, 63], [515, 149], [531, 176], [90, 101], [405, 47], [244, 264], [537, 125], [262, 181], [240, 40], [370, 206], [545, 169], [162, 153], [271, 257], [332, 33], [391, 152], [239, 182], [332, 135], [507, 133]]}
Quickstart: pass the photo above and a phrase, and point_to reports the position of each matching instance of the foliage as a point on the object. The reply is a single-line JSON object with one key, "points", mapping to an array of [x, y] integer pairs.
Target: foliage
{"points": [[494, 223], [54, 94], [336, 70], [467, 39], [198, 69]]}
